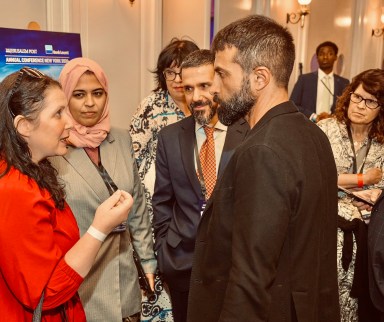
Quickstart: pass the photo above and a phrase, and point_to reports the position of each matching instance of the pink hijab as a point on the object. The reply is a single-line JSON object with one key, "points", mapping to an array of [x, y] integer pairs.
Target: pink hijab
{"points": [[82, 136]]}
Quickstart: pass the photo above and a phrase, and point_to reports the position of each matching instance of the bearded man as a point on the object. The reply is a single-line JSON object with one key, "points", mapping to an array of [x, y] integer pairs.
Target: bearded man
{"points": [[266, 244], [191, 154]]}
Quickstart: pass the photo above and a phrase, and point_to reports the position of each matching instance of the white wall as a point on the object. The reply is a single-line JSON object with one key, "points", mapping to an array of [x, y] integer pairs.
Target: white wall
{"points": [[190, 18], [17, 14], [227, 11], [114, 42]]}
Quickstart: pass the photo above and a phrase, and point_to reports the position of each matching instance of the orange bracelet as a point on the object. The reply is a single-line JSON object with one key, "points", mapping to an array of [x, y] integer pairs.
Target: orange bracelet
{"points": [[360, 182]]}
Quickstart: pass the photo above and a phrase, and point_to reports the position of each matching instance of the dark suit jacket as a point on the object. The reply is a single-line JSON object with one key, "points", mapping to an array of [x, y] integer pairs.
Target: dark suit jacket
{"points": [[304, 93], [266, 244], [176, 196], [376, 255]]}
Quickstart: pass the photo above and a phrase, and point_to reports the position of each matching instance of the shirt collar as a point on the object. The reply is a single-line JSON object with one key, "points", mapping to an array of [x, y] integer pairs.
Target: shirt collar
{"points": [[218, 126], [322, 74]]}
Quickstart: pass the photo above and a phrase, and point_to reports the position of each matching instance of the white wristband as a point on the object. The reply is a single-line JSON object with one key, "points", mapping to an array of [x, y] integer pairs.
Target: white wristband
{"points": [[96, 233]]}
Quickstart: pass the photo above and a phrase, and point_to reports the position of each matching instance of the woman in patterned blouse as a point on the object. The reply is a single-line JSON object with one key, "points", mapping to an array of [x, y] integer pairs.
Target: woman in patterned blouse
{"points": [[164, 106], [356, 134]]}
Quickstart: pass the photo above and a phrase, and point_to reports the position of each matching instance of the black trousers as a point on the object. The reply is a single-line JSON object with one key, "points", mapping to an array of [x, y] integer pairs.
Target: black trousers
{"points": [[179, 304]]}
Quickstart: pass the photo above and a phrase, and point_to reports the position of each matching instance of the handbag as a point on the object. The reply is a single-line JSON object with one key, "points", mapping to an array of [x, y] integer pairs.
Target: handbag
{"points": [[38, 310]]}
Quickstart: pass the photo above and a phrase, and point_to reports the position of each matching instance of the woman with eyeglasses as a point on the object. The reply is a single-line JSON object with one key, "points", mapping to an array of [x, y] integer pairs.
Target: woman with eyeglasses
{"points": [[356, 134], [99, 161], [42, 254], [164, 106]]}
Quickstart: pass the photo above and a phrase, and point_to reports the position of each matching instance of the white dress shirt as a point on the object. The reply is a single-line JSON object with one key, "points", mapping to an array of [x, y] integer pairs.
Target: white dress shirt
{"points": [[324, 99]]}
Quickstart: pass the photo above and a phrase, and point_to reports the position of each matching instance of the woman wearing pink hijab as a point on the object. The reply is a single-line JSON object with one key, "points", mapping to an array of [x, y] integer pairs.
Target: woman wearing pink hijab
{"points": [[99, 161]]}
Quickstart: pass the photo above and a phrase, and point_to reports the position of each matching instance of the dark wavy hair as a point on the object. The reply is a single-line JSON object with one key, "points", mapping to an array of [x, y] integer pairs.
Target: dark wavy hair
{"points": [[372, 81], [23, 94], [173, 54]]}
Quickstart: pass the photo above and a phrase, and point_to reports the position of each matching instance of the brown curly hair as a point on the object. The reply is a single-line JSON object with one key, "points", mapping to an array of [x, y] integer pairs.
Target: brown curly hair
{"points": [[174, 52], [372, 81]]}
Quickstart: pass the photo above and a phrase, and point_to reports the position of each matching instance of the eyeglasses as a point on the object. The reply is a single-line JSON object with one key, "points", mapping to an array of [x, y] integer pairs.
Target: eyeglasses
{"points": [[371, 104], [170, 75], [31, 72]]}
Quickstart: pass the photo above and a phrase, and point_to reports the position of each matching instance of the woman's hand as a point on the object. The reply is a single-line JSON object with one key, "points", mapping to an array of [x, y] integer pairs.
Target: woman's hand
{"points": [[109, 214], [113, 211], [372, 176], [151, 280]]}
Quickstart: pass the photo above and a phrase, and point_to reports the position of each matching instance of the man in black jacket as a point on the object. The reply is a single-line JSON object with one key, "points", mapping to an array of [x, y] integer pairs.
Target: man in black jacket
{"points": [[266, 244]]}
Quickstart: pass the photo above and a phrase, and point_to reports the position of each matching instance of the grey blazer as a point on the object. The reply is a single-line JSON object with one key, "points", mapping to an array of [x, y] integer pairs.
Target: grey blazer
{"points": [[111, 290]]}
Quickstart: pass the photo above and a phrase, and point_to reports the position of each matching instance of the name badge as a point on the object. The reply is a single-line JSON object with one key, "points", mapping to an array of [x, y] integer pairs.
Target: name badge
{"points": [[202, 204]]}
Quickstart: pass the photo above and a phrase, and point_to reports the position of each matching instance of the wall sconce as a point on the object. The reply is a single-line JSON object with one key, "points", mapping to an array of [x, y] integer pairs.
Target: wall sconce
{"points": [[378, 32], [295, 17], [131, 1]]}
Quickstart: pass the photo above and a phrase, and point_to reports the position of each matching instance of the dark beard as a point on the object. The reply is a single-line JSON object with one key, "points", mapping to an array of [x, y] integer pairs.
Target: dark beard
{"points": [[200, 116], [237, 106]]}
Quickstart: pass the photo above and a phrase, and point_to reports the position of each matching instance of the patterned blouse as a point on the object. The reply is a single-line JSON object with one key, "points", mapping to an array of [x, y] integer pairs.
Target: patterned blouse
{"points": [[155, 112], [342, 151]]}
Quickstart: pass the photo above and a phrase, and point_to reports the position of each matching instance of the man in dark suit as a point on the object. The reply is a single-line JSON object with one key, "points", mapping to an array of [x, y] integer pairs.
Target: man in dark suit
{"points": [[179, 196], [316, 93], [266, 243]]}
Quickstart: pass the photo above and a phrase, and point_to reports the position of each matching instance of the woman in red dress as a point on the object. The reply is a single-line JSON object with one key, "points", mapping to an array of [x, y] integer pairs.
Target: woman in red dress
{"points": [[40, 248]]}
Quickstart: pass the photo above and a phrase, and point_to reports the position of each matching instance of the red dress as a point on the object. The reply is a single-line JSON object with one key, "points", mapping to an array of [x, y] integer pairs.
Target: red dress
{"points": [[34, 237]]}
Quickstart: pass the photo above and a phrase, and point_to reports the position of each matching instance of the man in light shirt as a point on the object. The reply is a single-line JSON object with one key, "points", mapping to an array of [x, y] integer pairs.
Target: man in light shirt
{"points": [[182, 185], [316, 93]]}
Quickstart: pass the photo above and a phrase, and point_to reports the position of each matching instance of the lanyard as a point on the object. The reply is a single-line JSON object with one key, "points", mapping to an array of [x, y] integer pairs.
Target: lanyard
{"points": [[111, 186], [354, 152], [325, 85], [200, 171]]}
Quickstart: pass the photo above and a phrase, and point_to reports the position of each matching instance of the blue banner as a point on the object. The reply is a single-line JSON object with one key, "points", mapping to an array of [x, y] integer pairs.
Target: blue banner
{"points": [[44, 50]]}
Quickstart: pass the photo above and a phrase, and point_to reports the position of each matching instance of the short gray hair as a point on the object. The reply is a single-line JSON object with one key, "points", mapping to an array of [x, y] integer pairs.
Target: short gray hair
{"points": [[198, 58]]}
